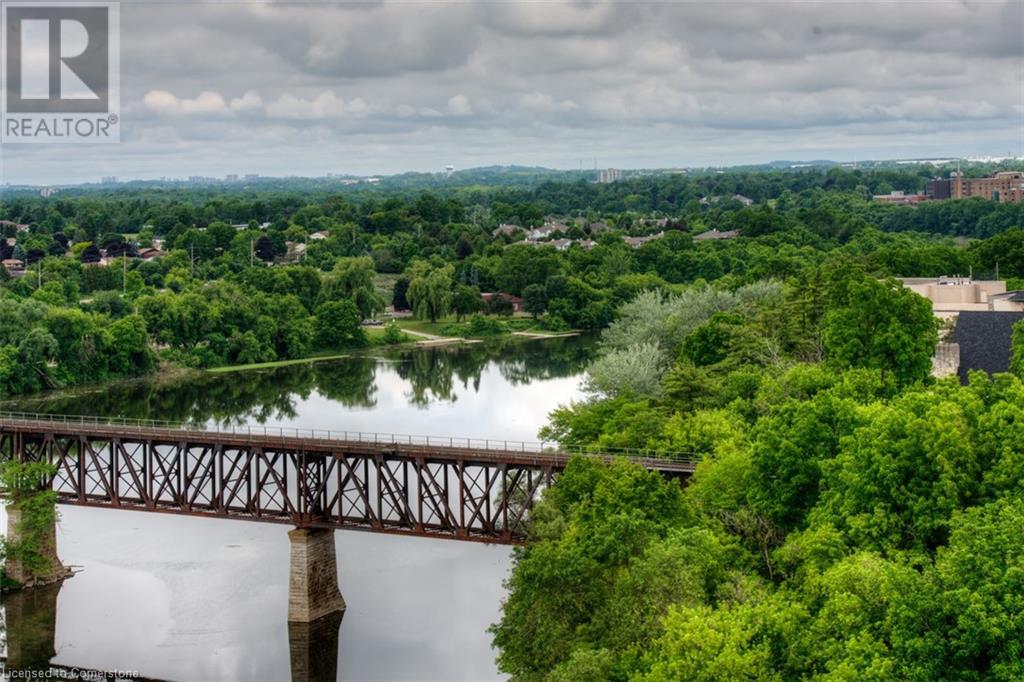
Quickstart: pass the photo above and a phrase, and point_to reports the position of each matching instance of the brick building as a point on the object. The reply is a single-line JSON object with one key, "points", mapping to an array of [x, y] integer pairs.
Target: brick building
{"points": [[1006, 187]]}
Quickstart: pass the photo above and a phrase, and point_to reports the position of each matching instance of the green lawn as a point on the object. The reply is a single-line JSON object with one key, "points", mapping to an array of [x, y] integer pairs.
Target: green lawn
{"points": [[516, 323], [425, 326], [278, 363]]}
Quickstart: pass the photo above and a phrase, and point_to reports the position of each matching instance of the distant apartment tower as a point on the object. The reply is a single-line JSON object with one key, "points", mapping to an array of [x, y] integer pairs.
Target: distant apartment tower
{"points": [[231, 177], [249, 177], [1005, 187], [609, 175], [109, 179]]}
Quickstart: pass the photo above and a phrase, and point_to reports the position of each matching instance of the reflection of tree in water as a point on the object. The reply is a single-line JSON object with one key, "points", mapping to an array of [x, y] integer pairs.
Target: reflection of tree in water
{"points": [[524, 363], [30, 624], [230, 398], [351, 382], [258, 396], [254, 396], [431, 371]]}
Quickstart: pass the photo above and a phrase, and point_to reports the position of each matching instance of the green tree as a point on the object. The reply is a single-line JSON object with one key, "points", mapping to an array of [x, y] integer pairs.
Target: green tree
{"points": [[585, 532], [535, 299], [981, 579], [352, 279], [338, 323], [430, 290], [881, 325], [466, 301], [1017, 353]]}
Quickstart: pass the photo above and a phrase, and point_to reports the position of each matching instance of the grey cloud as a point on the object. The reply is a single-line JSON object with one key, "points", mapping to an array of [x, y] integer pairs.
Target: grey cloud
{"points": [[379, 87]]}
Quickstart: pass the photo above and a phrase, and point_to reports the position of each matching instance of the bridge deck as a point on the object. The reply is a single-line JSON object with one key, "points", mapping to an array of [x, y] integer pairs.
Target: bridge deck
{"points": [[460, 488]]}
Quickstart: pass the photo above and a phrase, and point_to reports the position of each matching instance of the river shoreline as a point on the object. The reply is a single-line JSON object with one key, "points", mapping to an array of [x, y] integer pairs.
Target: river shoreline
{"points": [[168, 373]]}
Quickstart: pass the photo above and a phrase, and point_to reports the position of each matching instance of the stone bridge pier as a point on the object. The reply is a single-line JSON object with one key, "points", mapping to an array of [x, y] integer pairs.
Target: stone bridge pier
{"points": [[315, 605], [313, 576], [52, 571]]}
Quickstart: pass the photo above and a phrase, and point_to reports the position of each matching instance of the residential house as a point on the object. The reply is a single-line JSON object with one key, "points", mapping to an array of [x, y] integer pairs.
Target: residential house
{"points": [[18, 227], [715, 234], [14, 266], [508, 229], [549, 228], [637, 242], [746, 201], [296, 251], [517, 302]]}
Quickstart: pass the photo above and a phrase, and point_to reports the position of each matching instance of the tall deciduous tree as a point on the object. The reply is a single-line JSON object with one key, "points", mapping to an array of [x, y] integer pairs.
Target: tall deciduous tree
{"points": [[430, 290], [881, 325], [466, 301]]}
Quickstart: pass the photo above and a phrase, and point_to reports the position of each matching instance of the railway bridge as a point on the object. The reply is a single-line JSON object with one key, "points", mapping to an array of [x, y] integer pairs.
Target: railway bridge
{"points": [[317, 481]]}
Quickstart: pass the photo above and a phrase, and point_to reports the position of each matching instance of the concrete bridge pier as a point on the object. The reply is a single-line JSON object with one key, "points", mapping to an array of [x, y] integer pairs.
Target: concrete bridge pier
{"points": [[313, 576], [53, 571]]}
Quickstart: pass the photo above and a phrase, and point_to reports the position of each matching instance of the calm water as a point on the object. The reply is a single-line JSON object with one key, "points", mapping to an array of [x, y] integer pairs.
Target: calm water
{"points": [[203, 599]]}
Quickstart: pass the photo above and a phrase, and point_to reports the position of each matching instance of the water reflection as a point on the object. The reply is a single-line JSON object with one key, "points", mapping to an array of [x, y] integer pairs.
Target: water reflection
{"points": [[30, 626], [426, 379], [313, 649]]}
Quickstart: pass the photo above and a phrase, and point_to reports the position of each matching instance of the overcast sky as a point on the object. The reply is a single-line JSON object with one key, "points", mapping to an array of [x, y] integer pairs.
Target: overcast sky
{"points": [[384, 87]]}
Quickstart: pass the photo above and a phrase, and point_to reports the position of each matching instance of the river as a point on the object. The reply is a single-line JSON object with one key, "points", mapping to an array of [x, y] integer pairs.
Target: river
{"points": [[182, 598]]}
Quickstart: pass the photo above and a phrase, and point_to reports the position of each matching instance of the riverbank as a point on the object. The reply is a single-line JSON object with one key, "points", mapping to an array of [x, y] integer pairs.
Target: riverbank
{"points": [[168, 373], [449, 330], [280, 363]]}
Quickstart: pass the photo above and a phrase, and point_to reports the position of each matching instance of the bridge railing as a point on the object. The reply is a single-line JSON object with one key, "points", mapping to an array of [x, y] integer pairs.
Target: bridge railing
{"points": [[377, 438]]}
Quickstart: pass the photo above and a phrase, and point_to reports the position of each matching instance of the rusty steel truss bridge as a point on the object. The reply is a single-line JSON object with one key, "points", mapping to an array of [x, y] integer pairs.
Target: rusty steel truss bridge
{"points": [[466, 489]]}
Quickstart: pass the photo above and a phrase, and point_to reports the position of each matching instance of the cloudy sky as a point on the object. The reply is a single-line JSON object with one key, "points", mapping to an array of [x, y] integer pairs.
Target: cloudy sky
{"points": [[383, 87]]}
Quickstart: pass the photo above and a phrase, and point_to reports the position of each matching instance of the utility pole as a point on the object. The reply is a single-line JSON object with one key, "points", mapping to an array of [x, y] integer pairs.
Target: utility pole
{"points": [[124, 274], [252, 252], [192, 259]]}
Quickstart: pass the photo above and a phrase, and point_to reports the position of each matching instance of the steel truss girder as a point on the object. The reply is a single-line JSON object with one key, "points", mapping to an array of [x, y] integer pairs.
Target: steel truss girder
{"points": [[412, 493]]}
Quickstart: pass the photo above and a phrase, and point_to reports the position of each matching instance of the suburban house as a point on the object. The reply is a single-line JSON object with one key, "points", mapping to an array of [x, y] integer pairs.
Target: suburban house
{"points": [[295, 253], [715, 234], [18, 227], [14, 267], [517, 303], [509, 229], [546, 230], [746, 201], [150, 253], [637, 242]]}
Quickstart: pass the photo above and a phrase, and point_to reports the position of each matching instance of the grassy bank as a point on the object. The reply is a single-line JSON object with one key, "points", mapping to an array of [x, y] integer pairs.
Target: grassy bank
{"points": [[375, 336], [486, 327]]}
